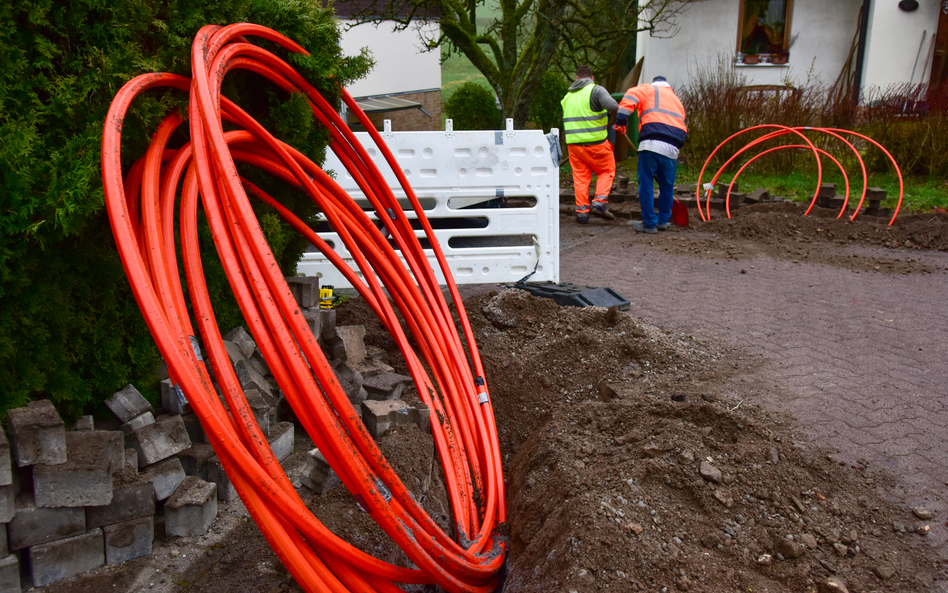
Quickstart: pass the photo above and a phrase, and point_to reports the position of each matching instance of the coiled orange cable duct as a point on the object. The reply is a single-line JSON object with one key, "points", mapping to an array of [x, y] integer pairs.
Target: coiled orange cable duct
{"points": [[142, 213]]}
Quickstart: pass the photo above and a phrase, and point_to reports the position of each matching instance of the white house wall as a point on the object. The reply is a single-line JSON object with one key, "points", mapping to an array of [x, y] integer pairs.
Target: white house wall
{"points": [[400, 64], [707, 37], [893, 43]]}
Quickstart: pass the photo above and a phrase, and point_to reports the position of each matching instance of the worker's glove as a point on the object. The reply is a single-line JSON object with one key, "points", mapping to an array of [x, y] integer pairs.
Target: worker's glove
{"points": [[620, 129]]}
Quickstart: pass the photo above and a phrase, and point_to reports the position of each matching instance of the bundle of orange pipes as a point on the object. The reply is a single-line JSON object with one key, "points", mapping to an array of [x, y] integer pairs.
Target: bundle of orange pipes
{"points": [[142, 210]]}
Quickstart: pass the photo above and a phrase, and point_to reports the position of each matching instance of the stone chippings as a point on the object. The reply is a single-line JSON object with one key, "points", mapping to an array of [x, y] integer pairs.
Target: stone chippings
{"points": [[38, 434]]}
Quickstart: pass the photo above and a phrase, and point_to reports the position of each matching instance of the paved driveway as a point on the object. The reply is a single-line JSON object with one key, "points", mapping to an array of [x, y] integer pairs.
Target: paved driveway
{"points": [[863, 356]]}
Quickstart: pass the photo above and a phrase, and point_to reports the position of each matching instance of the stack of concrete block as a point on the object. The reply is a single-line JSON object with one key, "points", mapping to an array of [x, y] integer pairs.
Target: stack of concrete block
{"points": [[63, 475]]}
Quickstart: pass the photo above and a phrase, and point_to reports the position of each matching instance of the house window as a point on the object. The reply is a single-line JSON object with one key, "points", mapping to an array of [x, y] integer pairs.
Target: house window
{"points": [[764, 29]]}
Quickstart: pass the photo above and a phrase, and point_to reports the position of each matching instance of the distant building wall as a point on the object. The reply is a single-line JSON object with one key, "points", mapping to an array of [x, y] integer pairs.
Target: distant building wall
{"points": [[410, 119], [893, 44]]}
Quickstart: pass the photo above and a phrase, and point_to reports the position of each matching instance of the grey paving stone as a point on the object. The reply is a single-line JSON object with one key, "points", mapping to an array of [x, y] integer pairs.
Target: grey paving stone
{"points": [[60, 559], [10, 574], [128, 403], [194, 460], [165, 475], [317, 474], [216, 474], [86, 478], [191, 509], [154, 442], [282, 435], [32, 525], [380, 416], [37, 434], [305, 290], [6, 461], [242, 339], [128, 540], [133, 497]]}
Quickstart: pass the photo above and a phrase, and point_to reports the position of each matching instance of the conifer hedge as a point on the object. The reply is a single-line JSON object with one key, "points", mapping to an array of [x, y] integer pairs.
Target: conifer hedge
{"points": [[70, 329]]}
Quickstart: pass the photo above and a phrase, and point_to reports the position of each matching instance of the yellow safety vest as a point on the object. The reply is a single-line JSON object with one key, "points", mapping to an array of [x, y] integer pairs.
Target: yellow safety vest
{"points": [[580, 123]]}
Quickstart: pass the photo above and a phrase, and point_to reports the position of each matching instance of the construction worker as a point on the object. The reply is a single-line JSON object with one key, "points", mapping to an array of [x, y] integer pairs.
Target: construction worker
{"points": [[587, 108], [662, 133]]}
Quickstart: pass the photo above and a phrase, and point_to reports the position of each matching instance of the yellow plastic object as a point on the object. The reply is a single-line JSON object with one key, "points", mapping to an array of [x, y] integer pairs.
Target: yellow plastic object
{"points": [[327, 300]]}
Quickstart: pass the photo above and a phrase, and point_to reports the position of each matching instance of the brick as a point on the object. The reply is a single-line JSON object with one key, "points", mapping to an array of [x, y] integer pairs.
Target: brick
{"points": [[128, 403], [250, 378], [385, 385], [10, 574], [133, 497], [380, 416], [348, 343], [32, 525], [84, 423], [282, 440], [173, 400], [37, 434], [6, 461], [137, 422], [167, 436], [317, 474], [54, 561], [86, 478], [191, 509], [194, 428], [166, 476], [131, 459], [305, 290], [313, 319], [242, 339], [128, 540], [194, 460], [260, 408], [216, 474], [7, 505]]}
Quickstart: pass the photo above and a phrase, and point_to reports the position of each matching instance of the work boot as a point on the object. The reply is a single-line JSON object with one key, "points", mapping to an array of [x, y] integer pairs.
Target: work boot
{"points": [[602, 210], [582, 217], [640, 227]]}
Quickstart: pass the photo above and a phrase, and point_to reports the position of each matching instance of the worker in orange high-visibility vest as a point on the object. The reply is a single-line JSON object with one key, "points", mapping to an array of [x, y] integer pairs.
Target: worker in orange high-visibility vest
{"points": [[662, 133], [587, 108]]}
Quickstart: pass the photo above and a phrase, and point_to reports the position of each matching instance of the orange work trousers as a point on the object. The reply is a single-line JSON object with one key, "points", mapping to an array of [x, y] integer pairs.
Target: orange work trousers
{"points": [[587, 160]]}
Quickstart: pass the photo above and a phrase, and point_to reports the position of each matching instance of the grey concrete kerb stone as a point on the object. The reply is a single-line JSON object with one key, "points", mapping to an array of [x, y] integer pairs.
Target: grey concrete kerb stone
{"points": [[191, 509]]}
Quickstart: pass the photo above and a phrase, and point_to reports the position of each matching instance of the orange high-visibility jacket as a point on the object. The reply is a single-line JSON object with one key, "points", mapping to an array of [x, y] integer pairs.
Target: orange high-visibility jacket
{"points": [[661, 114]]}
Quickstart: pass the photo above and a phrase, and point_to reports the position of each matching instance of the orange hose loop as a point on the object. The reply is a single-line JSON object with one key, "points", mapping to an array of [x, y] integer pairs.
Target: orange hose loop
{"points": [[142, 213]]}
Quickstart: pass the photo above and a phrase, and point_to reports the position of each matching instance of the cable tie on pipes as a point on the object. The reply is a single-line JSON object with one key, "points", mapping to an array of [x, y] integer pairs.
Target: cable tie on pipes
{"points": [[383, 489], [391, 213], [482, 397], [479, 381]]}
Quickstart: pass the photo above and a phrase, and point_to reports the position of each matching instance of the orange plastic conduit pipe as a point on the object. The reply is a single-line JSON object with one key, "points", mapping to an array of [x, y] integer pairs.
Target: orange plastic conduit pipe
{"points": [[142, 213]]}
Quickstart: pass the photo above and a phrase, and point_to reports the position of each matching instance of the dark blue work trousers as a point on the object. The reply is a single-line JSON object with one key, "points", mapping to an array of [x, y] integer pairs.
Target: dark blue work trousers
{"points": [[655, 167]]}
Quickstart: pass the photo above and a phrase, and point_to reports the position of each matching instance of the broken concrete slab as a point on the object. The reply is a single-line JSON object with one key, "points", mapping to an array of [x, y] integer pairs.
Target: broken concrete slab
{"points": [[216, 474], [305, 290], [160, 440], [191, 509], [166, 476], [128, 540], [282, 440], [194, 460], [128, 403], [380, 416], [54, 561], [32, 525], [10, 574], [242, 339], [133, 497], [86, 478], [317, 474], [37, 434], [385, 385]]}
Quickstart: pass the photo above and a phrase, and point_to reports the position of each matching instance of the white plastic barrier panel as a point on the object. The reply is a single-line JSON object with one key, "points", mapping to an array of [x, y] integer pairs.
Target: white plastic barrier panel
{"points": [[492, 198]]}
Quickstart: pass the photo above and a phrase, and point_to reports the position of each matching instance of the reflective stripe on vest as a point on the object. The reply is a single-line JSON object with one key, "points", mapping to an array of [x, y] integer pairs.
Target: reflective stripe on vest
{"points": [[657, 109], [580, 122]]}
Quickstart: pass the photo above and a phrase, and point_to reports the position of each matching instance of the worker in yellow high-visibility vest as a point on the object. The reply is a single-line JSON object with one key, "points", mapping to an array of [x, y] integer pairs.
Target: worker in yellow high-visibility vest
{"points": [[587, 108]]}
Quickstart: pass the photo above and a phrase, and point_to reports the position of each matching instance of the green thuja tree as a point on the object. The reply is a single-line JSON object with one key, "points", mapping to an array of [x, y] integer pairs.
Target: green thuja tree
{"points": [[70, 329]]}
